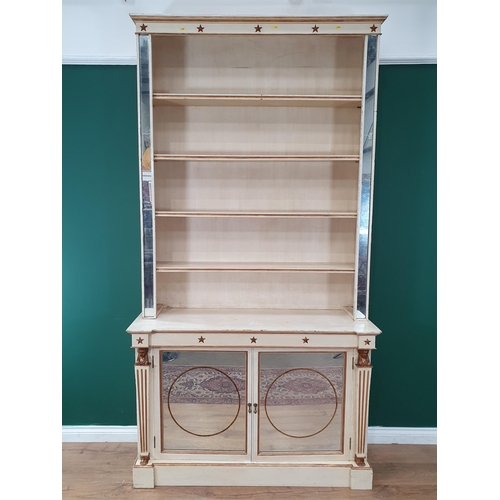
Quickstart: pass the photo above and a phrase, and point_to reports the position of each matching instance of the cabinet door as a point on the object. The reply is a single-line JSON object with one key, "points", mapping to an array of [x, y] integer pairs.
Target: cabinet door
{"points": [[203, 402], [301, 404]]}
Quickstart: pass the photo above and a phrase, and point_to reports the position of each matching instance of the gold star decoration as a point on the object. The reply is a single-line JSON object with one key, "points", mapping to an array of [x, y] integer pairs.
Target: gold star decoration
{"points": [[140, 340], [305, 340], [143, 27], [201, 340], [367, 342], [253, 340], [200, 28], [315, 29], [373, 28], [258, 29]]}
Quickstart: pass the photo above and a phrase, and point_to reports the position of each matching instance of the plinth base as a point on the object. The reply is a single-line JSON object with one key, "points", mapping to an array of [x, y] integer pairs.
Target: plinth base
{"points": [[345, 474]]}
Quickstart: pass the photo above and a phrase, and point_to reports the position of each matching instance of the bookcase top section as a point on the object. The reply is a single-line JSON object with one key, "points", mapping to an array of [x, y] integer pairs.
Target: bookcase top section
{"points": [[252, 320], [181, 25]]}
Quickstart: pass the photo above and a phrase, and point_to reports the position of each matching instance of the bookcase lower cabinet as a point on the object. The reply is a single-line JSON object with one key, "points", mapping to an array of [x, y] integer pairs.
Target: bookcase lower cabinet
{"points": [[252, 416]]}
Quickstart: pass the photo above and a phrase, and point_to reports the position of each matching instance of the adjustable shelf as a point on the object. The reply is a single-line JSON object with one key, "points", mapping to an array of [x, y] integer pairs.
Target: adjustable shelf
{"points": [[253, 157], [339, 101], [299, 267], [292, 215]]}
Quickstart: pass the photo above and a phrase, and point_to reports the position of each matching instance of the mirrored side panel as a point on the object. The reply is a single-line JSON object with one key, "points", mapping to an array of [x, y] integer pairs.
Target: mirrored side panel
{"points": [[146, 174], [204, 397], [301, 403], [367, 156]]}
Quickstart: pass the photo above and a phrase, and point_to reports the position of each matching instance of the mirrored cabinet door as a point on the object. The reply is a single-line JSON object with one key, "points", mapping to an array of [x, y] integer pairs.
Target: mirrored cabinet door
{"points": [[203, 402], [301, 399]]}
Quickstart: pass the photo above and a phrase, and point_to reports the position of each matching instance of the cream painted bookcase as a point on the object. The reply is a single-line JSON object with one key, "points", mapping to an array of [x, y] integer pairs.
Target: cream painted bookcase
{"points": [[253, 347]]}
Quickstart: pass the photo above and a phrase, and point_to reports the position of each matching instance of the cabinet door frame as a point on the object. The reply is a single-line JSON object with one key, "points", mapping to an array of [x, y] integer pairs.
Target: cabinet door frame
{"points": [[156, 414], [348, 413]]}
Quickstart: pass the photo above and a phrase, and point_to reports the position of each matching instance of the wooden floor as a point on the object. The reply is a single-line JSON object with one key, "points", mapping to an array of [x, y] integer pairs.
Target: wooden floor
{"points": [[104, 470]]}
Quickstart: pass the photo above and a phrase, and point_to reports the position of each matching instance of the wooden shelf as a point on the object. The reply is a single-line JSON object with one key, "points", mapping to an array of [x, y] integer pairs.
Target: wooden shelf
{"points": [[232, 157], [290, 215], [340, 101], [294, 267]]}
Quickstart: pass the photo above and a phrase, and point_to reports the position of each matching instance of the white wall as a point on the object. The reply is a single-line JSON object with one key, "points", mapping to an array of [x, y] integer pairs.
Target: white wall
{"points": [[101, 31]]}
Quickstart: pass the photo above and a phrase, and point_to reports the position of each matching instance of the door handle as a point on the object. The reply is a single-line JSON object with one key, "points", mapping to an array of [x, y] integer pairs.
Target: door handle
{"points": [[255, 407], [249, 407]]}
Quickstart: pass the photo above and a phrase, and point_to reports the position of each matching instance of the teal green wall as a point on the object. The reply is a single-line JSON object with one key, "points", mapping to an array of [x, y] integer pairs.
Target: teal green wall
{"points": [[403, 293], [101, 246], [101, 243]]}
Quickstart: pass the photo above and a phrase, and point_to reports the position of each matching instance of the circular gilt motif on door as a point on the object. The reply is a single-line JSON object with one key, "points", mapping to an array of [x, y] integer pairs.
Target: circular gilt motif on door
{"points": [[195, 404], [301, 385]]}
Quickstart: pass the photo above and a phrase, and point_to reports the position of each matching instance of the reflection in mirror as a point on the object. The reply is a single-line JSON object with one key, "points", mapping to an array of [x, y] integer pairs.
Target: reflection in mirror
{"points": [[203, 401], [302, 402], [148, 270], [367, 158]]}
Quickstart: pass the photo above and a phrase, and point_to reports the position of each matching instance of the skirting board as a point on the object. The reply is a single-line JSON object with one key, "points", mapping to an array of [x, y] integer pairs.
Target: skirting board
{"points": [[128, 434]]}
